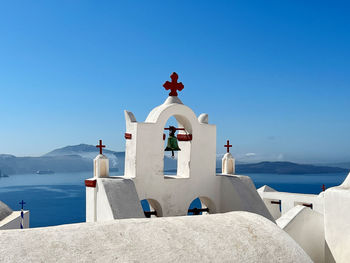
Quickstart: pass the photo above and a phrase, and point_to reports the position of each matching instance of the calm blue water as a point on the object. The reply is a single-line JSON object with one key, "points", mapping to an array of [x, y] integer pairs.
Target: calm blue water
{"points": [[55, 199]]}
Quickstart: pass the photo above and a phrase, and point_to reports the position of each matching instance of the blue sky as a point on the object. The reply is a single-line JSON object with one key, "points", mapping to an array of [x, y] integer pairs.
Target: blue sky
{"points": [[274, 76]]}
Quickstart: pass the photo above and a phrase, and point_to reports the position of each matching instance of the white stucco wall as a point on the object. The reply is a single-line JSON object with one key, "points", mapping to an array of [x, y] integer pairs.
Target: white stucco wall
{"points": [[144, 163], [101, 166], [91, 204], [112, 198], [290, 200], [306, 227], [117, 198], [228, 164], [4, 210], [273, 208], [271, 204], [230, 237], [337, 222], [238, 193], [13, 221]]}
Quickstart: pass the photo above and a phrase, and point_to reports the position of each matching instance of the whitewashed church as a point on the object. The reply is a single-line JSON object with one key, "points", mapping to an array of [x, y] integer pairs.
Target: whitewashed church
{"points": [[236, 222]]}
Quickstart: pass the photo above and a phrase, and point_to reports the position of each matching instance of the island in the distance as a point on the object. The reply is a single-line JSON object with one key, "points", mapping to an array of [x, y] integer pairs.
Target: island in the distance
{"points": [[78, 158], [286, 168]]}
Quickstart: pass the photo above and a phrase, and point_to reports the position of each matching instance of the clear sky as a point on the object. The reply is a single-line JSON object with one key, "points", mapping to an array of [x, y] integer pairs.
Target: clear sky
{"points": [[274, 76]]}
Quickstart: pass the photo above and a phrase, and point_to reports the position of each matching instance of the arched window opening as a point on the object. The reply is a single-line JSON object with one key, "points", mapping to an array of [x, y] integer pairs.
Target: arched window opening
{"points": [[170, 162], [151, 208], [177, 147], [201, 206]]}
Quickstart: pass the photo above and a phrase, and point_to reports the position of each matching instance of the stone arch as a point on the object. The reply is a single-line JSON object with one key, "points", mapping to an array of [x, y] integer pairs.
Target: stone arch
{"points": [[183, 114], [183, 156], [154, 206], [207, 206], [170, 164], [144, 157], [208, 203]]}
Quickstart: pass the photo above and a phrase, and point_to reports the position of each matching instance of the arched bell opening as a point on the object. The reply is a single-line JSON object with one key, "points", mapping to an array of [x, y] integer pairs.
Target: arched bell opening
{"points": [[201, 206], [170, 157], [177, 147], [151, 208]]}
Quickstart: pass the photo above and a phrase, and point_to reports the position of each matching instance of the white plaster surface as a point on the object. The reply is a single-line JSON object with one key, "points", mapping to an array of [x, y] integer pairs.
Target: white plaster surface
{"points": [[13, 221], [4, 211], [273, 208], [306, 227], [238, 193], [196, 173], [123, 198], [101, 166], [228, 164], [290, 200], [91, 204], [145, 151], [230, 237], [266, 188], [203, 118], [113, 198], [337, 222], [116, 198]]}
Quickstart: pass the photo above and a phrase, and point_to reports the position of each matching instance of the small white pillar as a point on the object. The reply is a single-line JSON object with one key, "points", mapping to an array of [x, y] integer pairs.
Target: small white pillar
{"points": [[101, 166], [101, 169], [228, 164]]}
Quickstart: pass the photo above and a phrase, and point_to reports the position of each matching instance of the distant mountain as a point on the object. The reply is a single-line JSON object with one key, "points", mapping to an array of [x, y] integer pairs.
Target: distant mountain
{"points": [[89, 152], [78, 158], [66, 159], [286, 168], [116, 159], [23, 165], [341, 165], [80, 149]]}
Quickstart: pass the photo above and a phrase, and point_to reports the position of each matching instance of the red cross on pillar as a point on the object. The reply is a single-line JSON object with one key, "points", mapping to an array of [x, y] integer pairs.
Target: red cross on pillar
{"points": [[173, 85], [228, 146], [100, 146]]}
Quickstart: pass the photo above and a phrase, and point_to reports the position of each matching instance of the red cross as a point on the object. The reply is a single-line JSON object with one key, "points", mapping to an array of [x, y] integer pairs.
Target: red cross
{"points": [[323, 188], [228, 146], [100, 146], [173, 85]]}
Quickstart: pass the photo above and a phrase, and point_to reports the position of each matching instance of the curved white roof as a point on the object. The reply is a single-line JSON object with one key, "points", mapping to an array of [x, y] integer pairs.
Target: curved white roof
{"points": [[230, 237], [5, 211]]}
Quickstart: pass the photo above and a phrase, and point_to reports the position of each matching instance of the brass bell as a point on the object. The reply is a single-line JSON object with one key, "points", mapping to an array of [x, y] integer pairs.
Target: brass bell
{"points": [[172, 142]]}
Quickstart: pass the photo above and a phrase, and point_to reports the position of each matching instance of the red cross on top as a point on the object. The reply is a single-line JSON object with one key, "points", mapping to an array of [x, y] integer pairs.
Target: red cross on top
{"points": [[100, 146], [174, 86], [228, 146]]}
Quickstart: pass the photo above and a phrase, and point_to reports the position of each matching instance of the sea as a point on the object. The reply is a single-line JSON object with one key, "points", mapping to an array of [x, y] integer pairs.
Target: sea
{"points": [[56, 199]]}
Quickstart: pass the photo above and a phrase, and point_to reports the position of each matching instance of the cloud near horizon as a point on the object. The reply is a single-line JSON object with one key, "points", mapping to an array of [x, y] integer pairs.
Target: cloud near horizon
{"points": [[250, 155]]}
